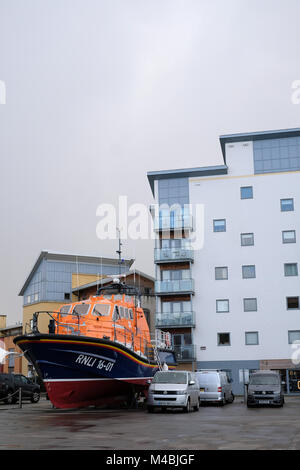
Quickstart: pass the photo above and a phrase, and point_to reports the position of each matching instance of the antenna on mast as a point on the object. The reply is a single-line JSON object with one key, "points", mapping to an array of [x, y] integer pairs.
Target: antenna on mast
{"points": [[119, 251]]}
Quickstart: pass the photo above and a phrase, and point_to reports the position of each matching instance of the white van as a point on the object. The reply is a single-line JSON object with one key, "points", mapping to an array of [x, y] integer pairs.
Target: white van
{"points": [[173, 389], [214, 386]]}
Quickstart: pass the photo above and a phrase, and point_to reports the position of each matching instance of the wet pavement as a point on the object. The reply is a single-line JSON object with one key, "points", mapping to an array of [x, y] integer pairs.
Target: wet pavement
{"points": [[39, 426]]}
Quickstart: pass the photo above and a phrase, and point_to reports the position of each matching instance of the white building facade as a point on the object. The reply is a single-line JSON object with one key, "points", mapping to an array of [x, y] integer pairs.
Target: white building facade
{"points": [[227, 261]]}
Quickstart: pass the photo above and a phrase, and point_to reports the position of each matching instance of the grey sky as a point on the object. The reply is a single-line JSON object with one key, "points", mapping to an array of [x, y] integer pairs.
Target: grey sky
{"points": [[101, 91]]}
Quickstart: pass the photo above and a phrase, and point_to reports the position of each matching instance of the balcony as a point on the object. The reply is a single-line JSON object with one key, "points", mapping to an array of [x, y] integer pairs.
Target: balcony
{"points": [[175, 320], [186, 353], [165, 255], [173, 222], [183, 286]]}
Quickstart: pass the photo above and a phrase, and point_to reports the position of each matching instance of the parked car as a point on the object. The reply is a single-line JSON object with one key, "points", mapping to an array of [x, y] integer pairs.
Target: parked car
{"points": [[215, 386], [173, 389], [11, 383], [265, 388]]}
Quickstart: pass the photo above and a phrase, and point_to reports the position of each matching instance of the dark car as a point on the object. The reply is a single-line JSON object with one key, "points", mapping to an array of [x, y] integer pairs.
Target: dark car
{"points": [[265, 388], [10, 384]]}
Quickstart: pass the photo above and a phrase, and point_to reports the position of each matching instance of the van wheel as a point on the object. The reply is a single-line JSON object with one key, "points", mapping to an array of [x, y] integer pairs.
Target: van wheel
{"points": [[187, 408], [223, 402], [231, 399], [196, 407]]}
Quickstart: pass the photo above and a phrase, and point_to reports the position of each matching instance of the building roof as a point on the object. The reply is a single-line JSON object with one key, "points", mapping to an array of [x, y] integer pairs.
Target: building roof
{"points": [[185, 173], [109, 279], [12, 327], [72, 258], [221, 169], [260, 135]]}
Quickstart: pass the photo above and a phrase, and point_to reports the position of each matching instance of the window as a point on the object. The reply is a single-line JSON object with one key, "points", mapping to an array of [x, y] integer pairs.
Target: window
{"points": [[175, 274], [292, 303], [11, 359], [294, 335], [65, 309], [223, 339], [101, 310], [36, 297], [289, 236], [176, 307], [81, 309], [248, 272], [221, 273], [220, 225], [67, 296], [291, 269], [250, 305], [287, 205], [182, 339], [247, 239], [116, 314], [246, 192], [251, 338], [28, 299], [222, 306]]}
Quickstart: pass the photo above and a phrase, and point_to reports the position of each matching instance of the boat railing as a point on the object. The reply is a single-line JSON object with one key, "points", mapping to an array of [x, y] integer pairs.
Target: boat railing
{"points": [[137, 342]]}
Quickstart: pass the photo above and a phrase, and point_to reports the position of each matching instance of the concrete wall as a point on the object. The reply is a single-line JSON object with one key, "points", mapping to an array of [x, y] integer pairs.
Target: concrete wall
{"points": [[233, 368]]}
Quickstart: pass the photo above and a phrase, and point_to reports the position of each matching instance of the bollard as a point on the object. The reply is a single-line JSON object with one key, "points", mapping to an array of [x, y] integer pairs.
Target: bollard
{"points": [[20, 397]]}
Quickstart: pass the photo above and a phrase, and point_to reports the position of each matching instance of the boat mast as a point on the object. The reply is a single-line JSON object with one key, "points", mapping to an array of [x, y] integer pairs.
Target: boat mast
{"points": [[119, 251]]}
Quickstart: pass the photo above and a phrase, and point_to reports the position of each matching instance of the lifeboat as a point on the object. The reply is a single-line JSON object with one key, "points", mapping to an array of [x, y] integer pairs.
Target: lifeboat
{"points": [[98, 351]]}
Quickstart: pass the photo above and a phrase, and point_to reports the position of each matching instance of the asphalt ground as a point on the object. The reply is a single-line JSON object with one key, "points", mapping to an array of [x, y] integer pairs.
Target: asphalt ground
{"points": [[231, 427]]}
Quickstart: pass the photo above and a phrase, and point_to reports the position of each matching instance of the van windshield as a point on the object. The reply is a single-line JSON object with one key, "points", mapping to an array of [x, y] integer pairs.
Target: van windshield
{"points": [[170, 378], [264, 380]]}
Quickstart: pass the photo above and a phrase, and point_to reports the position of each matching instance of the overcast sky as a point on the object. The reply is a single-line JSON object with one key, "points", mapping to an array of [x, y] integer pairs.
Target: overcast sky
{"points": [[98, 92]]}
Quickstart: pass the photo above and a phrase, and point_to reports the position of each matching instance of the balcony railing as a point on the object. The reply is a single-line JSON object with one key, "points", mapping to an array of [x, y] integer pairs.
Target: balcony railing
{"points": [[185, 353], [183, 286], [163, 255], [178, 319], [174, 222]]}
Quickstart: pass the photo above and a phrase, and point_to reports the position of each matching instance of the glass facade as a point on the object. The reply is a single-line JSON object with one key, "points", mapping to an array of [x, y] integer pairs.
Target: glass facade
{"points": [[273, 155], [53, 279], [173, 191]]}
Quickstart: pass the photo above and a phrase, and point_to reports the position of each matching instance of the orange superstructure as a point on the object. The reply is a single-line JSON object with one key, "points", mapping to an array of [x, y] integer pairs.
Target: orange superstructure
{"points": [[115, 318]]}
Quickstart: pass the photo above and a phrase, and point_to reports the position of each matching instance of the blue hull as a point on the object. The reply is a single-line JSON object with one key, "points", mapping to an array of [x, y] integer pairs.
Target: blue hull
{"points": [[81, 371]]}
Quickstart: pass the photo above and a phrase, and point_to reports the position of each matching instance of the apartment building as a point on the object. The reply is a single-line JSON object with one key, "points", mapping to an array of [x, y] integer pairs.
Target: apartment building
{"points": [[227, 257]]}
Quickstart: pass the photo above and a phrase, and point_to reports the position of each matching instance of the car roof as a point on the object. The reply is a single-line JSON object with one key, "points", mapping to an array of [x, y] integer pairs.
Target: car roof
{"points": [[265, 372]]}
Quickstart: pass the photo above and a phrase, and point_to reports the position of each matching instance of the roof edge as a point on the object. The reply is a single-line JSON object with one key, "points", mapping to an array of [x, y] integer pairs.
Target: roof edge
{"points": [[185, 173]]}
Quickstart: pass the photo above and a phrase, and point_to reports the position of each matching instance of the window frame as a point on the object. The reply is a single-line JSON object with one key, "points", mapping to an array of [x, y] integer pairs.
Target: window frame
{"points": [[246, 187], [247, 244], [287, 199], [289, 337], [250, 298], [221, 278], [219, 220], [248, 266], [288, 231], [292, 297], [218, 338], [257, 336], [222, 311], [290, 264]]}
